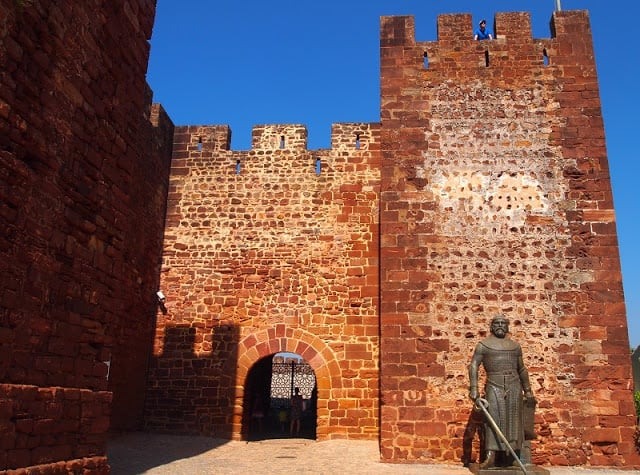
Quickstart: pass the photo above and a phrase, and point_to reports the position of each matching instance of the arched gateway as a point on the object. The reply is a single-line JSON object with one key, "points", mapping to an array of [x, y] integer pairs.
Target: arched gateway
{"points": [[280, 399], [283, 339]]}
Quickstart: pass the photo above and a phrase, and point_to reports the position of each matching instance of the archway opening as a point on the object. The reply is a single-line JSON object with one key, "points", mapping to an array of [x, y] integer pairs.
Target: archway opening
{"points": [[280, 399]]}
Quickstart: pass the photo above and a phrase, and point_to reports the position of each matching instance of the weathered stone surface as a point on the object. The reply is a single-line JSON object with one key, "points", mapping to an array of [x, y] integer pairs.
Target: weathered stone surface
{"points": [[496, 199], [264, 252], [484, 188], [84, 164]]}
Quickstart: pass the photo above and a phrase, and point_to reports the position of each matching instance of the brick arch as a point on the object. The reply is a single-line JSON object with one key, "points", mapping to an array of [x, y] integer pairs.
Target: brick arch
{"points": [[313, 350]]}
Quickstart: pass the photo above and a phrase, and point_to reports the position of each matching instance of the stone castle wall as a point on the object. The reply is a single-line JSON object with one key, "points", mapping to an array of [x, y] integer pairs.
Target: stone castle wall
{"points": [[484, 189], [83, 183], [496, 198], [266, 252]]}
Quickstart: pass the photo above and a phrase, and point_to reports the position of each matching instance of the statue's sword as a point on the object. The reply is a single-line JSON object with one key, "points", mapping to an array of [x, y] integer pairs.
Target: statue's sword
{"points": [[483, 404]]}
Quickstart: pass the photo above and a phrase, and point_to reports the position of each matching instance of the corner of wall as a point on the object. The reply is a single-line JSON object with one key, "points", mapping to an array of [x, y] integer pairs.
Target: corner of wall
{"points": [[397, 30]]}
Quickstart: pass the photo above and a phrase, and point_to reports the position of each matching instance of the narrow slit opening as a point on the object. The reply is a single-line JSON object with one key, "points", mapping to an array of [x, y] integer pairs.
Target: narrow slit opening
{"points": [[318, 166], [486, 58], [238, 167], [199, 144], [545, 57], [425, 60], [357, 141], [282, 141]]}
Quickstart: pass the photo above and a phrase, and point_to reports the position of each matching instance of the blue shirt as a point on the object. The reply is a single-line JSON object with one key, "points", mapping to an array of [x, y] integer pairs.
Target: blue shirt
{"points": [[483, 34]]}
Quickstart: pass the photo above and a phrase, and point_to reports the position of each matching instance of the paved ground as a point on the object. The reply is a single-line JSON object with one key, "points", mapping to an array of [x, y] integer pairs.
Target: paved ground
{"points": [[155, 454]]}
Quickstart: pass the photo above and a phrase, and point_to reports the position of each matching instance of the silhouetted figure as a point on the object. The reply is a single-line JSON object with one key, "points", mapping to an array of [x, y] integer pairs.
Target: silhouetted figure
{"points": [[257, 414], [282, 418], [296, 412]]}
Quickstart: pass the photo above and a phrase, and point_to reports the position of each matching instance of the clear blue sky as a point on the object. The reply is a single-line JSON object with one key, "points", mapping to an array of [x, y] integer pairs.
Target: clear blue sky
{"points": [[244, 63]]}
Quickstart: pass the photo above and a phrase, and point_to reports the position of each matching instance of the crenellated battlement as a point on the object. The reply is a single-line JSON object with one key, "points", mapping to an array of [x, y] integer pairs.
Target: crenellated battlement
{"points": [[455, 54], [279, 137], [354, 136], [199, 138], [457, 28], [513, 26], [192, 139]]}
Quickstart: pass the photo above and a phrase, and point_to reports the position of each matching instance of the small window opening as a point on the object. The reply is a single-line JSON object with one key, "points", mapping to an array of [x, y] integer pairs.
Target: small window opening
{"points": [[545, 57], [486, 58], [282, 141], [425, 61], [238, 167], [199, 144], [357, 141], [318, 166]]}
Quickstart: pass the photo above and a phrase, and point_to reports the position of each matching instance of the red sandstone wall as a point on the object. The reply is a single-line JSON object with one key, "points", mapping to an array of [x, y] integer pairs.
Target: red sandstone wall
{"points": [[496, 199], [83, 182], [275, 258]]}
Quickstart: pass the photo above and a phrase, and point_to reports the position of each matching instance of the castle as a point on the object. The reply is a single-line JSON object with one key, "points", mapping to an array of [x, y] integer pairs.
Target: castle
{"points": [[483, 189]]}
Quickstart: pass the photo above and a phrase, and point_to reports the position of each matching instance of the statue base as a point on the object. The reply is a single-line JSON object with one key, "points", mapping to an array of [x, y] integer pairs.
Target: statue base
{"points": [[531, 470]]}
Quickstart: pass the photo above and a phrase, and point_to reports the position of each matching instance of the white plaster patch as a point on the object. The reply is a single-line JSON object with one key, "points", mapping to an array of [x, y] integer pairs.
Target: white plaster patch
{"points": [[490, 198]]}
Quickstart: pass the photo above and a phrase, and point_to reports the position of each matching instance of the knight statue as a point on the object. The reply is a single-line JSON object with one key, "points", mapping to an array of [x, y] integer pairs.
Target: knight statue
{"points": [[507, 390]]}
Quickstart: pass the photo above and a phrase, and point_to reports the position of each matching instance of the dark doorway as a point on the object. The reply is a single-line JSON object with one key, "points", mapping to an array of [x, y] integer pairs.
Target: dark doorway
{"points": [[269, 403]]}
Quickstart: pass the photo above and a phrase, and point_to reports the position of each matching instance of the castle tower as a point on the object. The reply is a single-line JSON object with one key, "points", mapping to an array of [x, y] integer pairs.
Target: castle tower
{"points": [[496, 198]]}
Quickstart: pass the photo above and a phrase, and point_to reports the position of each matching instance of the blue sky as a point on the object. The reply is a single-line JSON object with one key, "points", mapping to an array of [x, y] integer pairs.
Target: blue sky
{"points": [[244, 63]]}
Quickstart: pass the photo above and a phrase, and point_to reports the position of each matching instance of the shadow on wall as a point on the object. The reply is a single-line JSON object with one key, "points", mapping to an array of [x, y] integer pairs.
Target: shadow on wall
{"points": [[189, 392]]}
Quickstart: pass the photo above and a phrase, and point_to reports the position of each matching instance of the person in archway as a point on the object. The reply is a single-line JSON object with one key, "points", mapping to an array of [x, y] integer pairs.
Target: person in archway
{"points": [[296, 412], [257, 414], [282, 418], [482, 33]]}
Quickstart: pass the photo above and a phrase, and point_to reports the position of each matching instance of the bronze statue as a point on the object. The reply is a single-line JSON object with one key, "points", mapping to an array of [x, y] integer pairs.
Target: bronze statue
{"points": [[506, 383]]}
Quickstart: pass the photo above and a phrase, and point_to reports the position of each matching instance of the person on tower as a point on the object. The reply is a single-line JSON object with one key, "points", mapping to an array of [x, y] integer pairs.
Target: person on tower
{"points": [[482, 33]]}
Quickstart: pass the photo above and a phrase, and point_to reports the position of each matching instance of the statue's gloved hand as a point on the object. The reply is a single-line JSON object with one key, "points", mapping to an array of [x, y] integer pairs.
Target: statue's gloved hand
{"points": [[528, 395], [473, 394]]}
